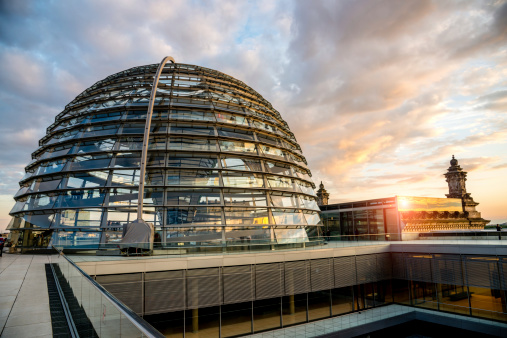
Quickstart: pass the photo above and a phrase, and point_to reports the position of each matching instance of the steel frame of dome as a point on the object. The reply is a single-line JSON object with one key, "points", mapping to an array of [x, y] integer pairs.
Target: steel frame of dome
{"points": [[222, 165]]}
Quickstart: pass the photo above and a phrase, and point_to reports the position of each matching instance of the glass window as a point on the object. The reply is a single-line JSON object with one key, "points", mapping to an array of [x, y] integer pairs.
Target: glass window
{"points": [[268, 139], [241, 164], [247, 198], [266, 314], [229, 118], [155, 178], [80, 218], [238, 146], [319, 305], [302, 174], [242, 180], [308, 202], [187, 129], [280, 182], [294, 309], [192, 115], [133, 128], [193, 177], [90, 179], [98, 161], [58, 151], [119, 197], [46, 184], [197, 216], [192, 144], [282, 200], [137, 114], [312, 218], [155, 160], [158, 128], [288, 217], [51, 167], [81, 198], [74, 239], [342, 300], [279, 168], [127, 160], [236, 133], [157, 143], [236, 319], [272, 151], [94, 146], [130, 143], [193, 197], [38, 221], [264, 126], [239, 216], [305, 187], [125, 177], [106, 117], [41, 201], [92, 131], [191, 160]]}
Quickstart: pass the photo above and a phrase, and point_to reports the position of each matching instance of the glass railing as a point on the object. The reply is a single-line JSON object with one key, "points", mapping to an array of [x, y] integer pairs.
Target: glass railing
{"points": [[95, 311]]}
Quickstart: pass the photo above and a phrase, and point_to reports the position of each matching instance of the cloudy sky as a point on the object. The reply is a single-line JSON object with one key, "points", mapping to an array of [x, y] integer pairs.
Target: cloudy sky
{"points": [[379, 94]]}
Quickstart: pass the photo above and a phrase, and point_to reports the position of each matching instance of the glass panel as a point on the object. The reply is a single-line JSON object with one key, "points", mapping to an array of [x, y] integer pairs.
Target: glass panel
{"points": [[342, 300], [192, 144], [90, 162], [155, 178], [236, 319], [206, 324], [125, 177], [241, 164], [200, 216], [319, 305], [193, 197], [272, 151], [130, 143], [294, 309], [192, 115], [93, 146], [133, 128], [157, 143], [245, 234], [75, 239], [123, 197], [308, 202], [80, 218], [191, 129], [409, 203], [193, 234], [51, 167], [38, 221], [106, 117], [268, 139], [236, 133], [305, 188], [229, 118], [190, 160], [288, 217], [58, 151], [81, 198], [45, 184], [266, 314], [243, 180], [280, 182], [124, 160], [313, 218], [93, 131], [284, 200], [238, 146], [279, 168], [90, 179], [239, 216], [193, 177], [155, 160], [245, 198], [41, 201]]}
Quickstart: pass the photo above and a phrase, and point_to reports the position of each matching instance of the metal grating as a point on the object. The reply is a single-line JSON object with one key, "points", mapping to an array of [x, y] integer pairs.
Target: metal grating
{"points": [[399, 268], [366, 269], [238, 284], [127, 288], [321, 274], [447, 271], [269, 280], [482, 273], [203, 288], [384, 266], [344, 271], [297, 277], [419, 268], [164, 291]]}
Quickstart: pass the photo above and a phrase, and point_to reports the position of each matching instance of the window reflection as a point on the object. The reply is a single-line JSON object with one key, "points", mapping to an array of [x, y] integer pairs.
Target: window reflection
{"points": [[238, 216], [245, 198], [241, 164], [238, 146], [288, 217], [194, 216], [190, 160], [125, 177], [90, 179], [241, 179], [193, 177], [193, 197], [192, 144]]}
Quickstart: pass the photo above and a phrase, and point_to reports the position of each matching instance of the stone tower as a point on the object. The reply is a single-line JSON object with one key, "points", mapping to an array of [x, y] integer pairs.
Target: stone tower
{"points": [[322, 195], [456, 178]]}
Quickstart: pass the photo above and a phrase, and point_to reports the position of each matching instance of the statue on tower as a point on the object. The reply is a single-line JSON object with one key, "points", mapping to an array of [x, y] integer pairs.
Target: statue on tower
{"points": [[322, 195], [456, 178]]}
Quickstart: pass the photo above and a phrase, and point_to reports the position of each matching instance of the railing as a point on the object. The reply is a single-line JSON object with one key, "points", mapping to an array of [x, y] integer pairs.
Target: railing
{"points": [[94, 310], [186, 246]]}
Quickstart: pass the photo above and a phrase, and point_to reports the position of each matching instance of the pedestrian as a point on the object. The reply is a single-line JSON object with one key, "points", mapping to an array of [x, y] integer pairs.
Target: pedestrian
{"points": [[499, 228], [2, 247]]}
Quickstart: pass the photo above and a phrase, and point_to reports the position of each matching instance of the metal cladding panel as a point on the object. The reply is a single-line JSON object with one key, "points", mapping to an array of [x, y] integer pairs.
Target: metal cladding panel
{"points": [[127, 288], [321, 274], [238, 284], [503, 273], [269, 280], [399, 266], [203, 288], [164, 291], [366, 269], [482, 273], [447, 271], [297, 277], [344, 271], [419, 268], [384, 266]]}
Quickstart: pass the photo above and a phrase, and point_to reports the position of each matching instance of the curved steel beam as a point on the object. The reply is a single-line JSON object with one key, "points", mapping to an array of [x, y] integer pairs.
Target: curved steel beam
{"points": [[146, 139]]}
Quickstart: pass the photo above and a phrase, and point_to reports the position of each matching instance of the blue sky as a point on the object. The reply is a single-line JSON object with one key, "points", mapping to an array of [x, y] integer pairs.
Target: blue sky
{"points": [[379, 94]]}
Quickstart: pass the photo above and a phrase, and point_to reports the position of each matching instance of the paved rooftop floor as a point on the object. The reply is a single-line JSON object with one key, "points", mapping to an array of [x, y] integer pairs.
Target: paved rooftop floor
{"points": [[24, 300]]}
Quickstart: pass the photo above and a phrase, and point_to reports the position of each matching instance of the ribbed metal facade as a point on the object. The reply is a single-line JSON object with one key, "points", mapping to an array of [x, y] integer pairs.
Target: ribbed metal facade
{"points": [[222, 164]]}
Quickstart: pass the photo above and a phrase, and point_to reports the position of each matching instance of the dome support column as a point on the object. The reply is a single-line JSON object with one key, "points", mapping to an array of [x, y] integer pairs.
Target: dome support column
{"points": [[140, 234]]}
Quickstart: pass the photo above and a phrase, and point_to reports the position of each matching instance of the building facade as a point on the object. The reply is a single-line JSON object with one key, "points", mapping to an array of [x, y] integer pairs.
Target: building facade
{"points": [[222, 165]]}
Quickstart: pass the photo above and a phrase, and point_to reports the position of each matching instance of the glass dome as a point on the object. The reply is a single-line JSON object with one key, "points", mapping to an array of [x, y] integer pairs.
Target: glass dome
{"points": [[222, 165]]}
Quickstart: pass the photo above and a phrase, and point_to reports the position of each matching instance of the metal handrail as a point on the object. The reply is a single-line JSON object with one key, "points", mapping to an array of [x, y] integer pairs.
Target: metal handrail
{"points": [[140, 323]]}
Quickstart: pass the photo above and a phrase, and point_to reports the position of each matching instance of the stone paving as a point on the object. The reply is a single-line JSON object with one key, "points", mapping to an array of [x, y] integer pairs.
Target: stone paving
{"points": [[24, 300]]}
